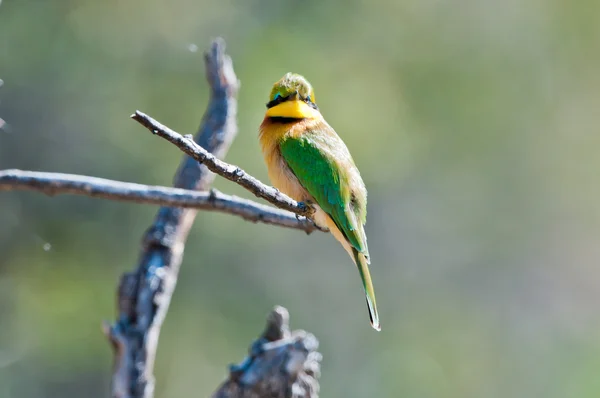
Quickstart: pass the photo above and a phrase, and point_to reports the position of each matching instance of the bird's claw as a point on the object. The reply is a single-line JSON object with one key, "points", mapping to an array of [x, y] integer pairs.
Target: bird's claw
{"points": [[305, 206], [302, 206]]}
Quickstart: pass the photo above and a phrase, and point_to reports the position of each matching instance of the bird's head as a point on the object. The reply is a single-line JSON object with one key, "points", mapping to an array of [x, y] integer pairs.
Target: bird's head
{"points": [[292, 97]]}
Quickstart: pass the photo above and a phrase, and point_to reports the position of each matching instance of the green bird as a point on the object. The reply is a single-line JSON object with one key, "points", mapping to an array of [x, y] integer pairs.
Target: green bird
{"points": [[309, 162]]}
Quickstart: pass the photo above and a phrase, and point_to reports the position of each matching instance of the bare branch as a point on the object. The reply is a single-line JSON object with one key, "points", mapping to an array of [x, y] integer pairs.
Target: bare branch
{"points": [[144, 295], [226, 170], [59, 183], [280, 364]]}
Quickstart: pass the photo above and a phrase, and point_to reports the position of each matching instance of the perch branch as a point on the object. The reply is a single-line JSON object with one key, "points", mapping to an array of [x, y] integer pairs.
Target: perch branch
{"points": [[279, 364], [58, 183], [226, 170], [144, 294]]}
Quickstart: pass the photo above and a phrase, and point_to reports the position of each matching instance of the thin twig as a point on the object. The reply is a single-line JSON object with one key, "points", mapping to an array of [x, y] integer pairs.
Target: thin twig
{"points": [[280, 363], [226, 170], [59, 183]]}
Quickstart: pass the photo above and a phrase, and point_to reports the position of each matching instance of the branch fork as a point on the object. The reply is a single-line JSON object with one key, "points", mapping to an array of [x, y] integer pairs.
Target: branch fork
{"points": [[281, 363], [231, 172]]}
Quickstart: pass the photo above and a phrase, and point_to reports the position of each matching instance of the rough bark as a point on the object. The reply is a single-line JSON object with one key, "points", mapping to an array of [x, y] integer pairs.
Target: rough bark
{"points": [[280, 364], [144, 294], [59, 183]]}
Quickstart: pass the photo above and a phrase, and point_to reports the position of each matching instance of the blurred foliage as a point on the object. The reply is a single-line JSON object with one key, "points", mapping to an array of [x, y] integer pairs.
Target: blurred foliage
{"points": [[474, 123]]}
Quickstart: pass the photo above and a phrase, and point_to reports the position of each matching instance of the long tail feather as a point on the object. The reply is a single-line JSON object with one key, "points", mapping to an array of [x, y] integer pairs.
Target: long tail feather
{"points": [[362, 263]]}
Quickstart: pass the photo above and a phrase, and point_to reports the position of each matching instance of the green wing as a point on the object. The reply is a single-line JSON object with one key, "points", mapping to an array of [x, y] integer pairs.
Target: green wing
{"points": [[324, 167]]}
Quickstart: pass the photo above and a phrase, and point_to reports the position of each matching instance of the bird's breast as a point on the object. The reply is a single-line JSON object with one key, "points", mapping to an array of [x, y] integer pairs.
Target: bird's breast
{"points": [[280, 174]]}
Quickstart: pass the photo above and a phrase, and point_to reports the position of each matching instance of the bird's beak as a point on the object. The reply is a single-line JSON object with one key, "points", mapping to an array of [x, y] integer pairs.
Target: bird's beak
{"points": [[293, 108]]}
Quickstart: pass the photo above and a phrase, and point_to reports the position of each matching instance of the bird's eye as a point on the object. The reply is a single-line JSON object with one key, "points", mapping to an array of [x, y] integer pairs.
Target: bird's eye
{"points": [[277, 96]]}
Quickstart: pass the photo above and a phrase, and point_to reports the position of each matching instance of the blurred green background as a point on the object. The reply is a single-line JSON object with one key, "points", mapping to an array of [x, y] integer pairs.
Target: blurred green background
{"points": [[474, 124]]}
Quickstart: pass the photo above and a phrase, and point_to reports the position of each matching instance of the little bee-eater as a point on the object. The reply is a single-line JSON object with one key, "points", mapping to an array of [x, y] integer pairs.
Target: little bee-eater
{"points": [[309, 162]]}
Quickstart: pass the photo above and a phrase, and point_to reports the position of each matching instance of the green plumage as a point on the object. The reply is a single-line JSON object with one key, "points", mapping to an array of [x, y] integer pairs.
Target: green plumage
{"points": [[315, 160], [323, 166], [309, 161]]}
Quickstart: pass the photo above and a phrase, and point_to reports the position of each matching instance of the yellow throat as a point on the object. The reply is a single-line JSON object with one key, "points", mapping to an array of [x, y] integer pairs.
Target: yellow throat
{"points": [[295, 109]]}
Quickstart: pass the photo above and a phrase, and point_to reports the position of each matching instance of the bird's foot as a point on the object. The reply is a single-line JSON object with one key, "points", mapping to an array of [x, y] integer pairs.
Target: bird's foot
{"points": [[304, 206]]}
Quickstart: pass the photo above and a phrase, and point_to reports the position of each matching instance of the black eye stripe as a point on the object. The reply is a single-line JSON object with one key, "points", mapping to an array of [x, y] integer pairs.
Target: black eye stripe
{"points": [[279, 99], [310, 103]]}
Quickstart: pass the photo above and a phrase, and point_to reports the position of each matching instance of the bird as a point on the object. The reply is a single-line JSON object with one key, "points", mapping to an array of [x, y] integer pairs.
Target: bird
{"points": [[309, 162]]}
